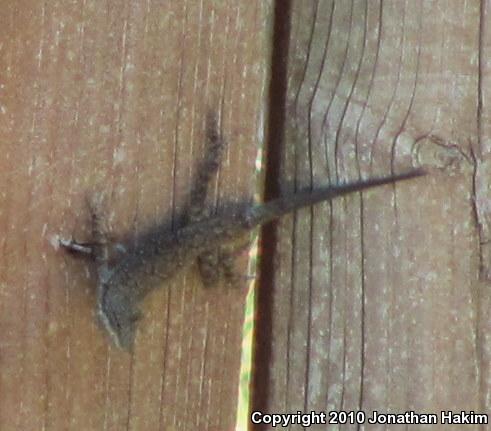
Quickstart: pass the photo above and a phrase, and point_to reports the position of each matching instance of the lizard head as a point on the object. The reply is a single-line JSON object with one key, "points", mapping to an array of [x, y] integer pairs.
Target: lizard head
{"points": [[118, 314]]}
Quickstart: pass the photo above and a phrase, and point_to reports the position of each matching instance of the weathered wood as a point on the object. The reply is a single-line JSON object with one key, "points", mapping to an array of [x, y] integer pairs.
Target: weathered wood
{"points": [[376, 302], [112, 96]]}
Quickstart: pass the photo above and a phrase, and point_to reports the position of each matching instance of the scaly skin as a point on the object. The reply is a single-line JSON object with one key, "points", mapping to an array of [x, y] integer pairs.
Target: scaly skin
{"points": [[161, 254]]}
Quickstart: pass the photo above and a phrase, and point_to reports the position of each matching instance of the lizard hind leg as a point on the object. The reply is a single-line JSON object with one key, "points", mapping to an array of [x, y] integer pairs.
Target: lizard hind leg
{"points": [[209, 268], [215, 145], [232, 271], [221, 264]]}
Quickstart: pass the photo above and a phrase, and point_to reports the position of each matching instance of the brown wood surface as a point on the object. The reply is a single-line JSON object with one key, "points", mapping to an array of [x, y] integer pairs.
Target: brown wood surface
{"points": [[111, 96], [381, 300]]}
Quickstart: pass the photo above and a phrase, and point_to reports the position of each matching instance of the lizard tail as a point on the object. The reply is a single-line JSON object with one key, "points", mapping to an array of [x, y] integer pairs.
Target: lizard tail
{"points": [[275, 208]]}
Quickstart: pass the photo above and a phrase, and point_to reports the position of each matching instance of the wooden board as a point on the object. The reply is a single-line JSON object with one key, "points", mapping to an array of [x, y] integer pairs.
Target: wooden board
{"points": [[378, 299], [112, 97]]}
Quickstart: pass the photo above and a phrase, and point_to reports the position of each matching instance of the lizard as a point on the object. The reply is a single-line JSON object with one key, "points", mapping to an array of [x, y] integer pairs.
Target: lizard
{"points": [[211, 241]]}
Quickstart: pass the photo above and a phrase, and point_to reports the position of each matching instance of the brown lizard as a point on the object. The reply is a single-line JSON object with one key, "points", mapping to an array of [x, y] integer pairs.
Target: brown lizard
{"points": [[210, 241]]}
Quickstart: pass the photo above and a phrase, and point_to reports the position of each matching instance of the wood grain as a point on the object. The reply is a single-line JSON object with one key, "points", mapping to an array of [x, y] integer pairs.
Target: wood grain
{"points": [[378, 301], [112, 97]]}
